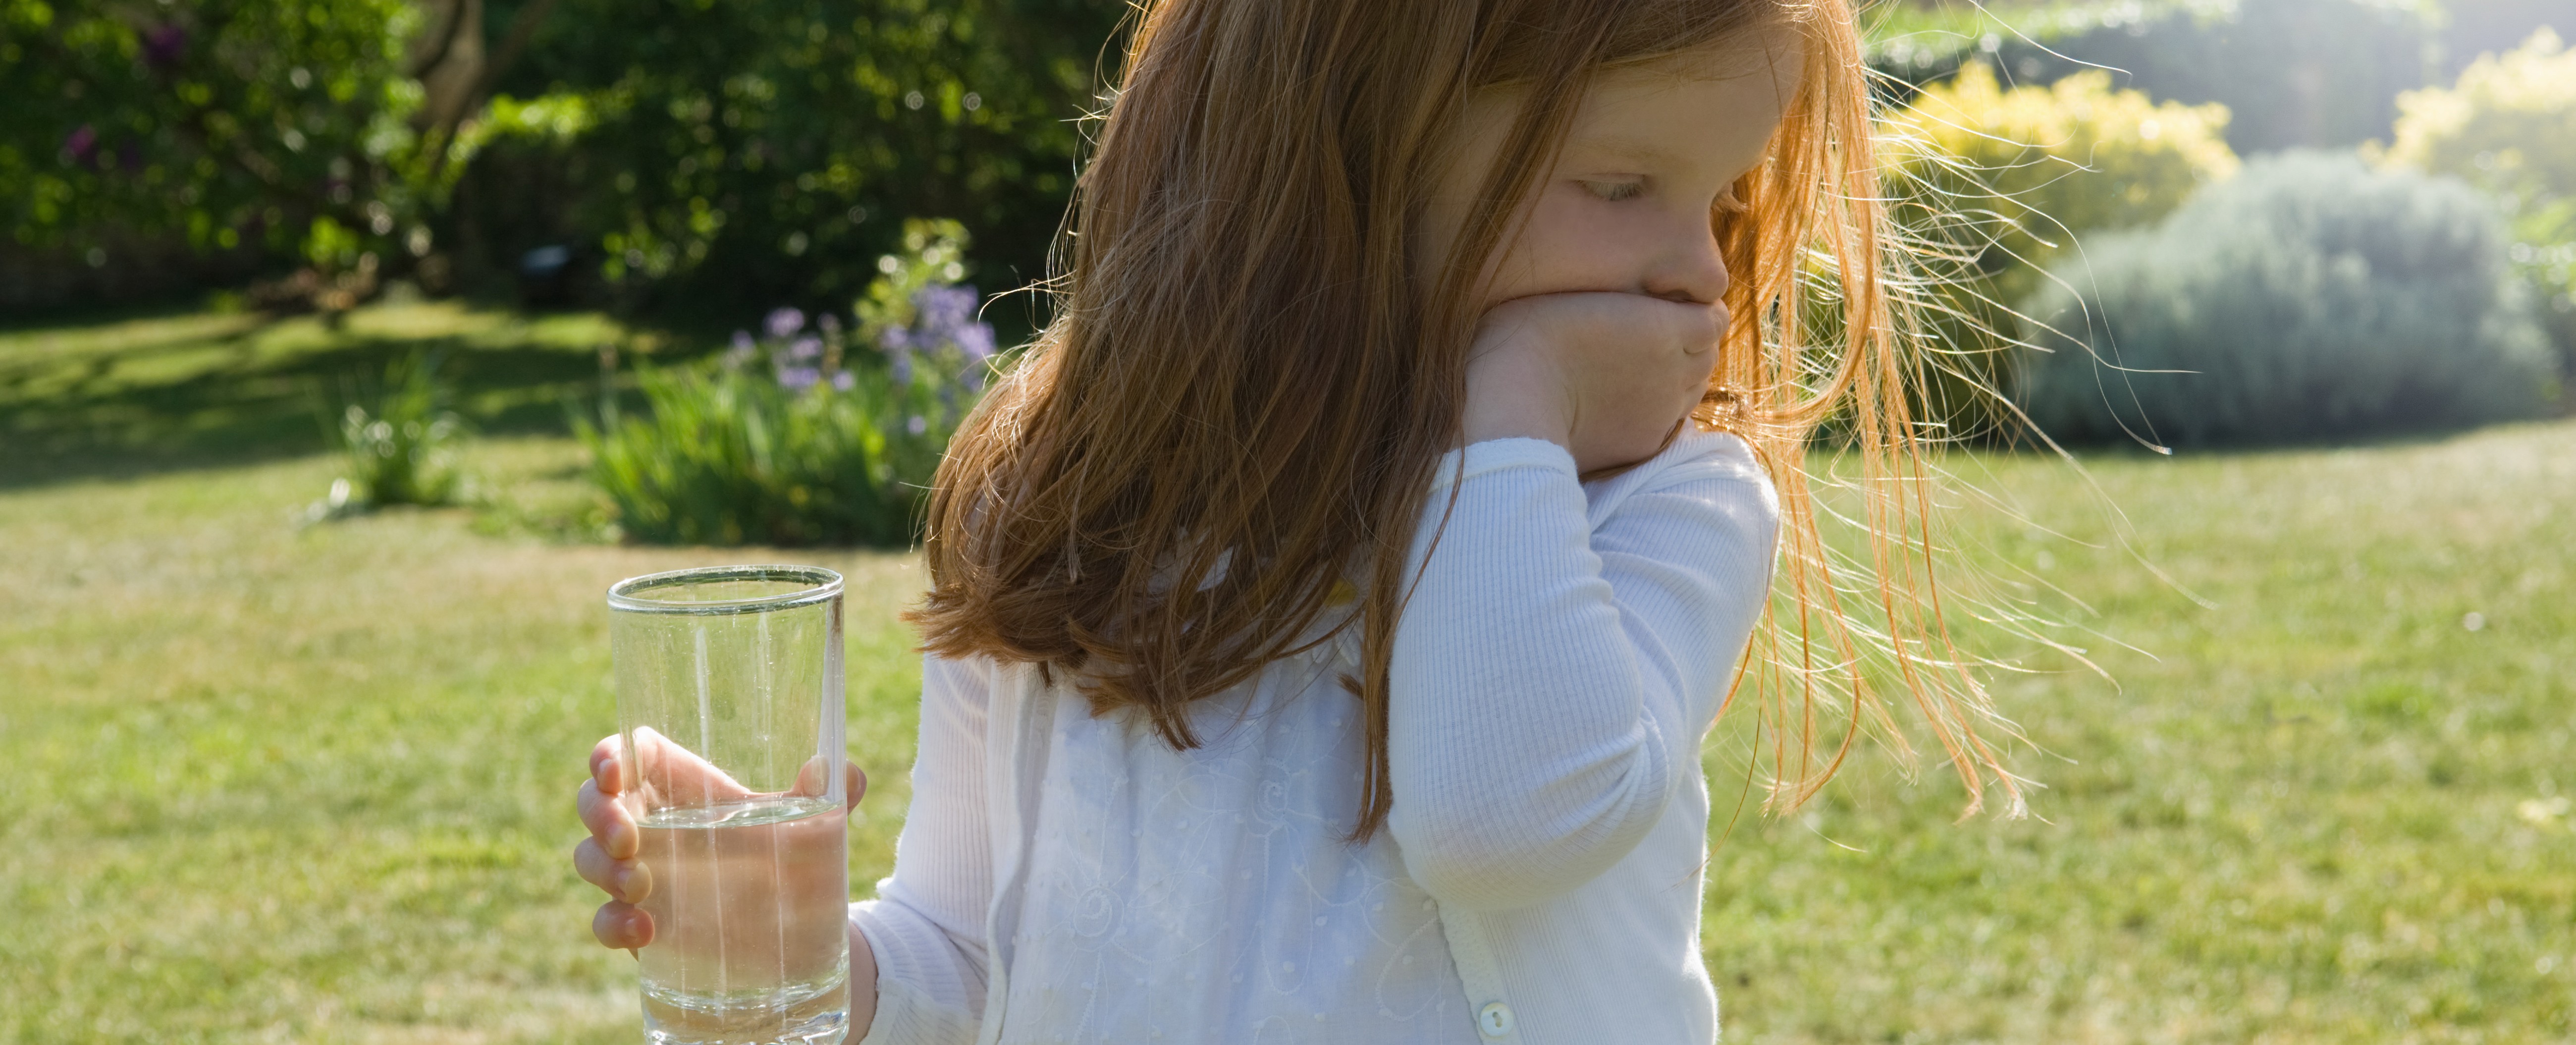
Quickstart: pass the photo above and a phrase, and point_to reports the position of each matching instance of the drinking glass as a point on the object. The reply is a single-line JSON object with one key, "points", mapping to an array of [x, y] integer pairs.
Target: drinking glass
{"points": [[729, 705]]}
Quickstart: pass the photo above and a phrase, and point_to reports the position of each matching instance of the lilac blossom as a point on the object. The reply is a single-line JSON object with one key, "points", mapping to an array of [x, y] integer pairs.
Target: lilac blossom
{"points": [[165, 45], [845, 380], [917, 425], [798, 378], [785, 321], [976, 341], [804, 348]]}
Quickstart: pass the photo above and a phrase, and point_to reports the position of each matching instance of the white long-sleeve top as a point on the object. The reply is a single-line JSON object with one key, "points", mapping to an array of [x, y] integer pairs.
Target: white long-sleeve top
{"points": [[1066, 878]]}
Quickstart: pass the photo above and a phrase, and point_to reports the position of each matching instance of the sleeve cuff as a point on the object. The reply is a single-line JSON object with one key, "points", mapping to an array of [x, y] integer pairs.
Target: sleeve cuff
{"points": [[921, 995]]}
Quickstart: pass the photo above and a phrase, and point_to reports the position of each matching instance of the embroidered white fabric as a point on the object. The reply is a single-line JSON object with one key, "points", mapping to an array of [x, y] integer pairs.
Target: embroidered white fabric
{"points": [[1561, 659]]}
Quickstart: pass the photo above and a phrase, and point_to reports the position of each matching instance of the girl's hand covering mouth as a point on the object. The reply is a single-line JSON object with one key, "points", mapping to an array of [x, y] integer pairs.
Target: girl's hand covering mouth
{"points": [[1606, 374]]}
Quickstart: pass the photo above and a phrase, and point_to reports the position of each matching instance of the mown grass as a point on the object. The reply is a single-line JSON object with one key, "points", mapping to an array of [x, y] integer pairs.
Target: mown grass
{"points": [[314, 784], [2322, 808]]}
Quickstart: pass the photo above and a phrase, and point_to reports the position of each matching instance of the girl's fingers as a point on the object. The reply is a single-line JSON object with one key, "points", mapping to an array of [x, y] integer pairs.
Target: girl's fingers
{"points": [[605, 766], [627, 880], [667, 767], [607, 821], [622, 926], [809, 781]]}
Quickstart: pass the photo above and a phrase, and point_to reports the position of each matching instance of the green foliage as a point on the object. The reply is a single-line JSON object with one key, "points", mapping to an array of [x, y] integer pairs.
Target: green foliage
{"points": [[2292, 72], [2509, 127], [2310, 297], [230, 123], [404, 451], [729, 457], [727, 152], [808, 436], [1996, 183], [753, 150]]}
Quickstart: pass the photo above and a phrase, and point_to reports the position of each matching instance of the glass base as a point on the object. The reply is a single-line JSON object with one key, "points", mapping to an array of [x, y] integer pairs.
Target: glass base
{"points": [[822, 1017]]}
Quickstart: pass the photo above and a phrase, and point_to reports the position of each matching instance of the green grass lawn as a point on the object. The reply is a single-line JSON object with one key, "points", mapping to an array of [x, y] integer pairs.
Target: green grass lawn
{"points": [[315, 784]]}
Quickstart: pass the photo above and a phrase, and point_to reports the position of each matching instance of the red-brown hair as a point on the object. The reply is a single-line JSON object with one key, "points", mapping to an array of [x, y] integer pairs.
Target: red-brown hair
{"points": [[1242, 396]]}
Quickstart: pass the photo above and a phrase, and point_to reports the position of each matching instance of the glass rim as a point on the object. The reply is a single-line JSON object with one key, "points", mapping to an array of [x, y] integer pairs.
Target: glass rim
{"points": [[821, 585]]}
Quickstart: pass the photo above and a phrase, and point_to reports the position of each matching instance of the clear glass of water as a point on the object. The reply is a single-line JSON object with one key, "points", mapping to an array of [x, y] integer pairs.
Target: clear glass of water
{"points": [[729, 703]]}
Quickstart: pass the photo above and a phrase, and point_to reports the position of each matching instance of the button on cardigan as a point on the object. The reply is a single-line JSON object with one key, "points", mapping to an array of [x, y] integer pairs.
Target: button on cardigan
{"points": [[1069, 878]]}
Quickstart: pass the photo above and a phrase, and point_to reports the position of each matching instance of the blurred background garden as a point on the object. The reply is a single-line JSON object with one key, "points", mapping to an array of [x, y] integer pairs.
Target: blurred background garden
{"points": [[349, 349]]}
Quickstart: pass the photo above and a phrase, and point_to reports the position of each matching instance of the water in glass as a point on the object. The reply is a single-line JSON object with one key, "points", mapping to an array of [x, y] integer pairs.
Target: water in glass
{"points": [[750, 913]]}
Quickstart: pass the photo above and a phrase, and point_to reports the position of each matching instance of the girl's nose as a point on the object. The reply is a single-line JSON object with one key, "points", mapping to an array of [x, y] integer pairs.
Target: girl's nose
{"points": [[1689, 268]]}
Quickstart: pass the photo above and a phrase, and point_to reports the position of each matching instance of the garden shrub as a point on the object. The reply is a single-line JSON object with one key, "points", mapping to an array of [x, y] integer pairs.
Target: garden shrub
{"points": [[2309, 297], [708, 152], [2509, 127], [752, 151], [137, 134], [812, 432], [1995, 183]]}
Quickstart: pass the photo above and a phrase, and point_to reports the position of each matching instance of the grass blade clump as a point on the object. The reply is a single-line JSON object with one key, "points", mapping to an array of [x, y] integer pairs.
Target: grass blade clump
{"points": [[402, 452]]}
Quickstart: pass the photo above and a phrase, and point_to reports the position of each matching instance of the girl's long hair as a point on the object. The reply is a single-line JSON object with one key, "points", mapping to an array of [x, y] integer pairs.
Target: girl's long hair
{"points": [[1242, 397]]}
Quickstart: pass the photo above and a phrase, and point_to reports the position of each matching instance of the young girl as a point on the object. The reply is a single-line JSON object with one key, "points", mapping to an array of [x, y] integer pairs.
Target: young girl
{"points": [[1326, 613]]}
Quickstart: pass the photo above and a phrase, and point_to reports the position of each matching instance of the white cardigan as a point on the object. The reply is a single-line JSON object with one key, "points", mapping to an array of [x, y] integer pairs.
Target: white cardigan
{"points": [[1069, 878]]}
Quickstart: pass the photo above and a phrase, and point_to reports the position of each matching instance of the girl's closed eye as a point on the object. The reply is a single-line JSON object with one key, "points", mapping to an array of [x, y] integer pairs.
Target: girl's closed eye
{"points": [[1613, 190]]}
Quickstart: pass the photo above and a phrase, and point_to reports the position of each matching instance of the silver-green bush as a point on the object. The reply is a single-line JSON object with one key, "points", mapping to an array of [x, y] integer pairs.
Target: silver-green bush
{"points": [[2310, 297]]}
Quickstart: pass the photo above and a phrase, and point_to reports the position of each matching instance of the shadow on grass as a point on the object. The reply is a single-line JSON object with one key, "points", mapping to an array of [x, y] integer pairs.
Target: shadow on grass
{"points": [[169, 390]]}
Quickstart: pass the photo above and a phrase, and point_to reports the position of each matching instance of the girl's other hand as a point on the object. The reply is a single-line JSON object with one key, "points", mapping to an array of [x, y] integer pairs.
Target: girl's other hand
{"points": [[1608, 375], [607, 858]]}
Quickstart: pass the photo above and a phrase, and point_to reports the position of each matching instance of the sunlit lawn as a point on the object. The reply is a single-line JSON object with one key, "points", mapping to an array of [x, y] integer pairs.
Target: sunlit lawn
{"points": [[2331, 806], [314, 784]]}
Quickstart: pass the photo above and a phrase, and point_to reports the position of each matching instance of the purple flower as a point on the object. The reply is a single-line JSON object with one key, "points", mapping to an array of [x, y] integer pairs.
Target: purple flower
{"points": [[845, 380], [973, 378], [917, 425], [165, 45], [807, 347], [83, 145], [895, 340], [785, 321], [901, 371], [798, 378], [944, 309], [976, 340], [742, 351]]}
